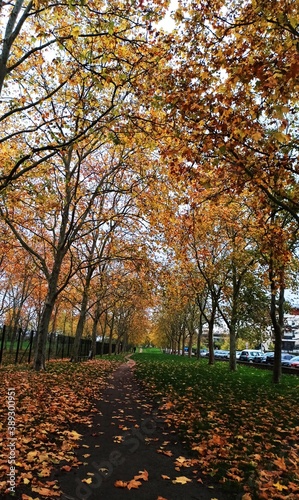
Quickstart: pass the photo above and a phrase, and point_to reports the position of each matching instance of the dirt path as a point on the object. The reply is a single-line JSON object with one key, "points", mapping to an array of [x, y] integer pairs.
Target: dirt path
{"points": [[122, 445]]}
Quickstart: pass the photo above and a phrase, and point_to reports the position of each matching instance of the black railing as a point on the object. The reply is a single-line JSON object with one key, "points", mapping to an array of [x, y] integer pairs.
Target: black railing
{"points": [[20, 348]]}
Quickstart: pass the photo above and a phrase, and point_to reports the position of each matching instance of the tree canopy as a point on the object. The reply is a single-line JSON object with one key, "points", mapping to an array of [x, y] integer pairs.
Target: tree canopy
{"points": [[148, 176]]}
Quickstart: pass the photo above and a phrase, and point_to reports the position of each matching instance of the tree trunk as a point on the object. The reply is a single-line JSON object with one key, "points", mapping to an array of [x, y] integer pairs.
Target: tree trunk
{"points": [[104, 329], [80, 326], [199, 335], [232, 347], [190, 344], [45, 319], [96, 320], [42, 335], [183, 340], [278, 332], [211, 322], [111, 335]]}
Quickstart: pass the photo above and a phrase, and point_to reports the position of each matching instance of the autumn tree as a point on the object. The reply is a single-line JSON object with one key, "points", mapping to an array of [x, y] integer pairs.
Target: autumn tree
{"points": [[69, 104], [45, 51], [230, 100]]}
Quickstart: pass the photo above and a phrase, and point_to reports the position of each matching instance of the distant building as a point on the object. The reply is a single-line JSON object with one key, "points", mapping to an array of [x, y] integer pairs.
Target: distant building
{"points": [[290, 340]]}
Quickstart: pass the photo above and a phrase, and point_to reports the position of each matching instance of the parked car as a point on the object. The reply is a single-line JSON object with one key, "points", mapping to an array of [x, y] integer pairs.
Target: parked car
{"points": [[204, 352], [294, 362], [269, 357], [264, 357], [285, 358], [238, 354], [251, 355], [259, 358], [221, 354]]}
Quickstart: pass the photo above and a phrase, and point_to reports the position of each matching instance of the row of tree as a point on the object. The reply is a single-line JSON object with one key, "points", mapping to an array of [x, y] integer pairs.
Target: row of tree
{"points": [[127, 150]]}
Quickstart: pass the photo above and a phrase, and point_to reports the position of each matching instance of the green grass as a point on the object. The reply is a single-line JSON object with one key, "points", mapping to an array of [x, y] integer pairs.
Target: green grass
{"points": [[149, 351], [240, 423]]}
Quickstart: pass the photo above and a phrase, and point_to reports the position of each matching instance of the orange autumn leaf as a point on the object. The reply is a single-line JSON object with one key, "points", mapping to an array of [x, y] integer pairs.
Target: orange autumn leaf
{"points": [[142, 475], [120, 484], [46, 492], [165, 452], [133, 484]]}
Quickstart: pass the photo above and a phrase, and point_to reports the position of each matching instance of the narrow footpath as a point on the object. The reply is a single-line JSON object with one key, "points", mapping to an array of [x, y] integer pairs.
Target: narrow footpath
{"points": [[130, 453]]}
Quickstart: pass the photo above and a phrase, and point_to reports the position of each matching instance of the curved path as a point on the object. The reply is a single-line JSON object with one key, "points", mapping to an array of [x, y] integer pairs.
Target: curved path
{"points": [[130, 453]]}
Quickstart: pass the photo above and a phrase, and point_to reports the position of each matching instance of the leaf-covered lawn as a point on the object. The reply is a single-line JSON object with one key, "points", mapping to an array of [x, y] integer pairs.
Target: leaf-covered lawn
{"points": [[47, 407], [243, 429]]}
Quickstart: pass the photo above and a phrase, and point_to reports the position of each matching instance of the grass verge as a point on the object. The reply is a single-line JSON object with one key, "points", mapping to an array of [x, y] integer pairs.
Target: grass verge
{"points": [[243, 429]]}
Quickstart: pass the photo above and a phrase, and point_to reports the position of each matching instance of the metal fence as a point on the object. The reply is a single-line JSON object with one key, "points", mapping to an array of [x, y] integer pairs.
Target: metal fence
{"points": [[19, 347]]}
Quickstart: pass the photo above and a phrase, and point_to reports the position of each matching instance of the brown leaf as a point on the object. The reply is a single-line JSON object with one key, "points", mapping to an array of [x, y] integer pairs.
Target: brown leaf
{"points": [[247, 496], [67, 468], [280, 463]]}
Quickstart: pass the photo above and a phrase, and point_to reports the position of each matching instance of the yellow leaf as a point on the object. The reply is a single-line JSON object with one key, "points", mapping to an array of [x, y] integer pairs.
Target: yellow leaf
{"points": [[74, 435], [75, 31], [31, 456], [279, 487], [181, 480], [88, 481], [280, 137], [26, 481]]}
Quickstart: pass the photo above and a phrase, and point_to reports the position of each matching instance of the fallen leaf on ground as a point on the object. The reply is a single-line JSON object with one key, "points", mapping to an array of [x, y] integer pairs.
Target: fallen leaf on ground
{"points": [[120, 484], [165, 452], [133, 484], [279, 487], [181, 480], [67, 468], [46, 492], [143, 474]]}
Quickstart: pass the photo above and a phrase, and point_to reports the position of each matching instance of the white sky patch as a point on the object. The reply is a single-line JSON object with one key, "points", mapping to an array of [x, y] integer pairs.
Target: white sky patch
{"points": [[168, 24]]}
